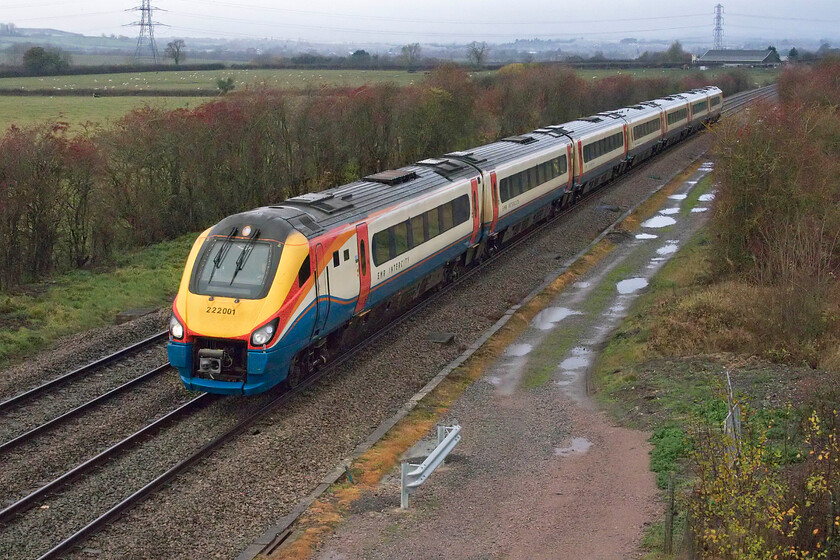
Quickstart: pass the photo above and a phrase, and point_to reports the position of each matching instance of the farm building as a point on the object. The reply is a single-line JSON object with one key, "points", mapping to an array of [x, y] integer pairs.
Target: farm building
{"points": [[731, 57]]}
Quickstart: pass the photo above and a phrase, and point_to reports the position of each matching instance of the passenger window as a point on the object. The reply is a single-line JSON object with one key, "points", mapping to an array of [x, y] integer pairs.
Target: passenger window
{"points": [[400, 238], [336, 260], [532, 178], [461, 206], [305, 271], [434, 223], [381, 247], [346, 254], [445, 217], [363, 257], [418, 234]]}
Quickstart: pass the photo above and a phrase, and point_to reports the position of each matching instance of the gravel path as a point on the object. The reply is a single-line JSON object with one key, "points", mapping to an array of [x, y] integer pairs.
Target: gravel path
{"points": [[220, 506]]}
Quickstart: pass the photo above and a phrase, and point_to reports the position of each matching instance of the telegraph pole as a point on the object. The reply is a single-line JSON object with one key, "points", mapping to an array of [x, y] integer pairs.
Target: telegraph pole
{"points": [[718, 27], [146, 46]]}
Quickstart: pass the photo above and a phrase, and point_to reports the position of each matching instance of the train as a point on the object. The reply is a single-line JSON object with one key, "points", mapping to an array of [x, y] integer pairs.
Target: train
{"points": [[271, 295]]}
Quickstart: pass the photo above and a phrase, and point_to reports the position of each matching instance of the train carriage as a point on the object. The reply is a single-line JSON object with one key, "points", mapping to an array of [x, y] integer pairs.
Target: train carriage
{"points": [[645, 130], [271, 294]]}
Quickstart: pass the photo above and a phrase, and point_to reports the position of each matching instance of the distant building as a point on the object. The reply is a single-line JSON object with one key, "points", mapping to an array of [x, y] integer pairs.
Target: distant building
{"points": [[731, 57]]}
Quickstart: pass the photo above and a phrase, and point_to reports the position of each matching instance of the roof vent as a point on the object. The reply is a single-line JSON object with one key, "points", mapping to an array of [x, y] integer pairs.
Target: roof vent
{"points": [[392, 177], [469, 157], [325, 202], [520, 139], [443, 167]]}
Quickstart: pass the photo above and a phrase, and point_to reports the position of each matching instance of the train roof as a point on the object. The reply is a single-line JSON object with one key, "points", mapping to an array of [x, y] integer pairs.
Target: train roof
{"points": [[642, 110], [492, 156], [313, 213]]}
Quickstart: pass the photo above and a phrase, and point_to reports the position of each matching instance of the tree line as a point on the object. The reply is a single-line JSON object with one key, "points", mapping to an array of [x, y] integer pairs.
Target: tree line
{"points": [[71, 198]]}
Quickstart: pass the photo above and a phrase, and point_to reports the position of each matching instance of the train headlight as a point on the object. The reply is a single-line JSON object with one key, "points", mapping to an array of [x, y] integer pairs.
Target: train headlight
{"points": [[176, 329], [264, 334]]}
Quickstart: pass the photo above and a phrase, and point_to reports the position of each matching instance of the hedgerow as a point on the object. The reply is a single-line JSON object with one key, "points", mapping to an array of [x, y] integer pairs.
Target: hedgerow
{"points": [[72, 199]]}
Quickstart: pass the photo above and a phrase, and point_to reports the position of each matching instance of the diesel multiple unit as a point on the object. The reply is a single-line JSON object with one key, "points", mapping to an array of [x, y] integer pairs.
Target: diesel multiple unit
{"points": [[271, 294]]}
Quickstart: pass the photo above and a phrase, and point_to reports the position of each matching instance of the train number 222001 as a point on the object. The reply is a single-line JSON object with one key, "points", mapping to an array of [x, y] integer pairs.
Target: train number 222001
{"points": [[221, 310]]}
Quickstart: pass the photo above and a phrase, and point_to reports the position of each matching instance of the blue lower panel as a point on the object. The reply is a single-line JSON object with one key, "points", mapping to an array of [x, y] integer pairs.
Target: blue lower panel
{"points": [[265, 370]]}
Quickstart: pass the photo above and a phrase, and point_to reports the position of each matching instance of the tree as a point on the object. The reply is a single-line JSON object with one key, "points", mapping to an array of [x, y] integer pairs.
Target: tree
{"points": [[675, 53], [361, 58], [175, 50], [793, 54], [225, 85], [411, 54], [477, 53], [38, 60]]}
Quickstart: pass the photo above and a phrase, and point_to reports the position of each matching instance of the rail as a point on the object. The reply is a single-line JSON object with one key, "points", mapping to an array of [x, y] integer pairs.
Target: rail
{"points": [[412, 476]]}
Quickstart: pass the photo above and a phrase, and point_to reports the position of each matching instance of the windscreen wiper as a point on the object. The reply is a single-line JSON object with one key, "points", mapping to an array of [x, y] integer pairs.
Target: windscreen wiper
{"points": [[220, 255], [243, 256]]}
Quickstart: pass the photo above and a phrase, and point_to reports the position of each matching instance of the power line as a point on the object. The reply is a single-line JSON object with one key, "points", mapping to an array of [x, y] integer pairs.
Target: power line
{"points": [[403, 32], [437, 21]]}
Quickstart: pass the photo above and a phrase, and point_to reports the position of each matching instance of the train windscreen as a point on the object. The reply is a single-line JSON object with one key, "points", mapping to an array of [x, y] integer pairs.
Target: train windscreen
{"points": [[237, 268]]}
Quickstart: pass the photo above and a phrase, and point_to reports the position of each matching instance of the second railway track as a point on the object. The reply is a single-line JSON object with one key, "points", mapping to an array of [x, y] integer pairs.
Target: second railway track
{"points": [[218, 422]]}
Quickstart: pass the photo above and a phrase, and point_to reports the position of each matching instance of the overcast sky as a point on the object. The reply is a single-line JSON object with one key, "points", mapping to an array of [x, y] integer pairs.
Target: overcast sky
{"points": [[444, 21]]}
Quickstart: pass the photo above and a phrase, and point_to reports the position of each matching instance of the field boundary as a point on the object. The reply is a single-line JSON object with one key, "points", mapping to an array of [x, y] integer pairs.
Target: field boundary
{"points": [[277, 532]]}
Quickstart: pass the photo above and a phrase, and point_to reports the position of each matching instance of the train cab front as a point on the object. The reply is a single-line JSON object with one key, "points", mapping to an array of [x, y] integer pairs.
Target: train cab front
{"points": [[241, 284]]}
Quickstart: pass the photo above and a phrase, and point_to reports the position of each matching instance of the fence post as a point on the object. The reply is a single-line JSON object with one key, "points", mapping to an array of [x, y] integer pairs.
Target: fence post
{"points": [[669, 517], [403, 488]]}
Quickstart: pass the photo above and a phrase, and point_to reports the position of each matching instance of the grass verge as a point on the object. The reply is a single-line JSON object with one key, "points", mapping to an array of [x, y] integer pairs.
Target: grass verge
{"points": [[36, 316]]}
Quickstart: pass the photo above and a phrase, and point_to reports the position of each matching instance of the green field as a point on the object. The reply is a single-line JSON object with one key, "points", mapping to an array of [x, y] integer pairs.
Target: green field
{"points": [[81, 109], [206, 79], [25, 111]]}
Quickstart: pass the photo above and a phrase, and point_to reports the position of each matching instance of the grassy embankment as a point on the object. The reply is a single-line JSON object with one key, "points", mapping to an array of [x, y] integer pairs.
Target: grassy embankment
{"points": [[32, 318], [664, 371]]}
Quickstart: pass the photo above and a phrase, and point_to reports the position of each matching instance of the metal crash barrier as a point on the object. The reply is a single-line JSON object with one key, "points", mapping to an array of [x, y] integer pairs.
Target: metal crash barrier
{"points": [[414, 475]]}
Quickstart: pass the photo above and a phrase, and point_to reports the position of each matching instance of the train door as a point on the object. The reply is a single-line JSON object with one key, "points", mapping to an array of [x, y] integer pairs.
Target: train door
{"points": [[475, 211], [364, 265], [322, 290], [494, 198]]}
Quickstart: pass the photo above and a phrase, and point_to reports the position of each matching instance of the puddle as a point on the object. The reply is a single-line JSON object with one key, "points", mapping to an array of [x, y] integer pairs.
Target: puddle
{"points": [[580, 351], [578, 445], [518, 350], [616, 309], [707, 197], [692, 183], [582, 285], [563, 383], [548, 317], [678, 196], [494, 380], [659, 222], [669, 211], [698, 210], [575, 362], [668, 249], [631, 285], [647, 236]]}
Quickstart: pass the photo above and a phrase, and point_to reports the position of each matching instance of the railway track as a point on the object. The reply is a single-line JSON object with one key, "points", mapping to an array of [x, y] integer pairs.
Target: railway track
{"points": [[261, 407]]}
